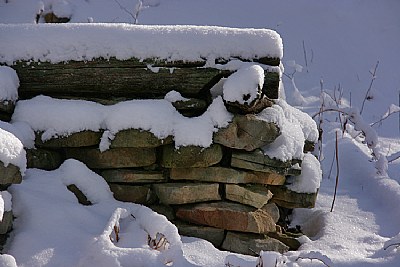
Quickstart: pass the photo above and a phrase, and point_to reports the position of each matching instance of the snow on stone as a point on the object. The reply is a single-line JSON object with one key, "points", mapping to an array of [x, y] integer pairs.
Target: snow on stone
{"points": [[22, 131], [7, 261], [60, 117], [58, 42], [174, 96], [62, 8], [310, 178], [244, 85], [5, 203], [12, 151], [9, 84]]}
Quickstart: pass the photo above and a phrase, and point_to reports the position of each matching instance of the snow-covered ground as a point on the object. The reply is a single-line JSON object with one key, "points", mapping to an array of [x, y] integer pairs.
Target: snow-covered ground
{"points": [[331, 46]]}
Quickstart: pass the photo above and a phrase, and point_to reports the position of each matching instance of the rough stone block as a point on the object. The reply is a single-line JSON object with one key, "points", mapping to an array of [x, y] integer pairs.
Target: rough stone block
{"points": [[7, 106], [138, 138], [190, 156], [132, 176], [184, 193], [289, 241], [226, 175], [228, 216], [247, 132], [252, 244], [79, 139], [289, 199], [273, 210], [256, 196], [10, 174], [132, 193], [243, 164], [113, 158], [6, 223], [211, 234], [165, 210], [43, 159]]}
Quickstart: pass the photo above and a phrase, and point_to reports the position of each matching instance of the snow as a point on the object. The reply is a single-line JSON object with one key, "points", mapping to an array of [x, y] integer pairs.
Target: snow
{"points": [[5, 203], [335, 44], [12, 151], [310, 178], [244, 86], [58, 43], [9, 84]]}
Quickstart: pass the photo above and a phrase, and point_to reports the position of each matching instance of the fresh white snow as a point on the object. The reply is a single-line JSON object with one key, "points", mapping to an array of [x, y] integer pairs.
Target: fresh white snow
{"points": [[9, 84], [335, 45]]}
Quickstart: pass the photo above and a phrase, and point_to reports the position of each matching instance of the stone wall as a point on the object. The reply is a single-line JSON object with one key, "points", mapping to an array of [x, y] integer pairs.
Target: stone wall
{"points": [[229, 193]]}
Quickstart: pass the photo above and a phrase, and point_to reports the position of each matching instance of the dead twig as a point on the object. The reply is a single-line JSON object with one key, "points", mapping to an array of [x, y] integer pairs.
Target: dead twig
{"points": [[311, 258], [392, 245], [367, 96], [337, 171]]}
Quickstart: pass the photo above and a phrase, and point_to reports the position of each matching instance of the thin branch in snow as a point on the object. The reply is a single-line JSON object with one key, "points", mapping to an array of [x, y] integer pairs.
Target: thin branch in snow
{"points": [[393, 157], [337, 171], [311, 259], [367, 96], [391, 245]]}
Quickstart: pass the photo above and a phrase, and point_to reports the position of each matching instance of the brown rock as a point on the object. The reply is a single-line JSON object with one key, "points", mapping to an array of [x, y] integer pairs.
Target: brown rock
{"points": [[255, 107], [211, 234], [289, 241], [165, 210], [43, 159], [138, 138], [113, 158], [82, 199], [7, 106], [132, 176], [289, 199], [10, 174], [184, 193], [252, 244], [226, 175], [6, 223], [229, 216], [79, 139], [132, 193], [256, 196], [190, 156], [247, 132], [273, 210]]}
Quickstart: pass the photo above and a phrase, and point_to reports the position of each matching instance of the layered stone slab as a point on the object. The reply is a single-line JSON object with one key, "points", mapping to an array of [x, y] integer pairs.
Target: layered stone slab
{"points": [[79, 139], [247, 132], [273, 210], [229, 216], [132, 193], [185, 193], [132, 176], [252, 244], [290, 199], [211, 234], [113, 158], [257, 161], [255, 196], [190, 156], [138, 138], [10, 174], [6, 223], [226, 175], [43, 159]]}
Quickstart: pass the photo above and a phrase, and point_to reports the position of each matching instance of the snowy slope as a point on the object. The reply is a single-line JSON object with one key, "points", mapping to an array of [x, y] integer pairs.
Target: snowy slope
{"points": [[334, 45]]}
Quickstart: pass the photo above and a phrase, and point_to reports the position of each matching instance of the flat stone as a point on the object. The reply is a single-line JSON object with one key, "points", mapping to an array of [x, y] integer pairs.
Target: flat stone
{"points": [[273, 210], [226, 175], [257, 161], [138, 138], [211, 234], [10, 174], [190, 156], [132, 193], [6, 223], [289, 241], [132, 176], [79, 139], [286, 198], [113, 158], [184, 193], [247, 132], [7, 106], [229, 216], [255, 107], [43, 159], [165, 210], [252, 244], [256, 196], [191, 107]]}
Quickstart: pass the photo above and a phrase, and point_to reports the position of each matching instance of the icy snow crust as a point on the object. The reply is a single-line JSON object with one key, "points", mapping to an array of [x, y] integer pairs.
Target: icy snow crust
{"points": [[59, 43]]}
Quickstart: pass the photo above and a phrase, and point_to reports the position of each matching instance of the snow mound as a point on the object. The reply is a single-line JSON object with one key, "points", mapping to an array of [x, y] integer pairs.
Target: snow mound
{"points": [[12, 151], [81, 42], [244, 85], [310, 178], [9, 84]]}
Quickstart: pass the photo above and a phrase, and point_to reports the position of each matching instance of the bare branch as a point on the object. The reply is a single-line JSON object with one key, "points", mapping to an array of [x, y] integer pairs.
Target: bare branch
{"points": [[337, 171], [391, 245], [370, 86], [311, 258]]}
